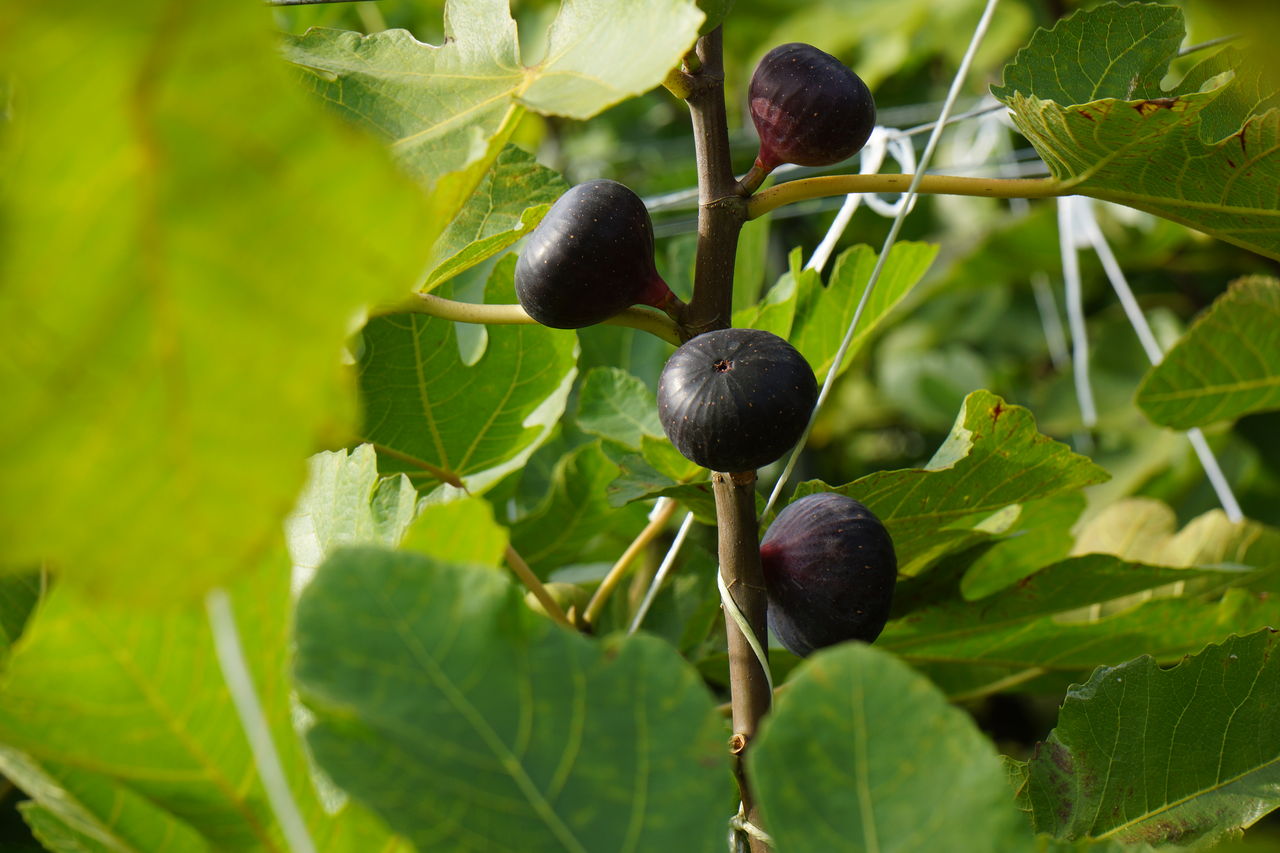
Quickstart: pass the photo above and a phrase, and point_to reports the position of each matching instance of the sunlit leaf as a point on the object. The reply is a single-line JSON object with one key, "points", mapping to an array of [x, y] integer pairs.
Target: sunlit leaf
{"points": [[993, 458], [1086, 94], [177, 291], [615, 405], [461, 531], [468, 722], [1226, 365]]}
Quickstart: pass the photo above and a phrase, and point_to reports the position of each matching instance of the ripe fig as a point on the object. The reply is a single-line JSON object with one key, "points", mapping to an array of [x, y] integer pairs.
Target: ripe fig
{"points": [[735, 399], [809, 109], [829, 571], [590, 257]]}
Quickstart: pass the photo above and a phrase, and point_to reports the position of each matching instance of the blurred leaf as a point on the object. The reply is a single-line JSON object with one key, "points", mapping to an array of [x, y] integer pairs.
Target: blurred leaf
{"points": [[715, 10], [177, 293], [823, 314], [576, 523], [993, 458], [460, 531], [345, 502], [447, 108], [510, 200], [1226, 365], [1145, 530], [431, 415], [18, 597], [615, 405], [895, 768], [469, 722], [640, 480], [1086, 94], [147, 748], [82, 812], [1186, 755]]}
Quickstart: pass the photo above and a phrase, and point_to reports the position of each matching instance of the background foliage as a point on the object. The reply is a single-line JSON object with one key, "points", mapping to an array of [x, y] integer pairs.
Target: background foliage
{"points": [[193, 243]]}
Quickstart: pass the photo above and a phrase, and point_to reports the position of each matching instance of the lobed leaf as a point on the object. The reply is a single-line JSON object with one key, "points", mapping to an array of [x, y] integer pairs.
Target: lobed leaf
{"points": [[1183, 755], [470, 723], [993, 458], [1226, 365], [177, 293], [1086, 94], [449, 108]]}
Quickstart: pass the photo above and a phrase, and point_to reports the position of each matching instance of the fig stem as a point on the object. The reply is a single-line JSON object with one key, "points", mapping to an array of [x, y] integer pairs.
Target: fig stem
{"points": [[521, 570], [809, 188], [739, 551], [619, 569], [752, 180], [635, 317]]}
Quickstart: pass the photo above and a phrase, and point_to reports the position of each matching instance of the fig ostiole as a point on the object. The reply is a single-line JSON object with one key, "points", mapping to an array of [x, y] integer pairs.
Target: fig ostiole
{"points": [[808, 108], [829, 573], [735, 399], [590, 257]]}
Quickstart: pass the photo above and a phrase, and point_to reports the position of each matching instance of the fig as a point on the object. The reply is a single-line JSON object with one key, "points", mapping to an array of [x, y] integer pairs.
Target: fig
{"points": [[590, 257], [735, 399], [829, 572], [808, 108]]}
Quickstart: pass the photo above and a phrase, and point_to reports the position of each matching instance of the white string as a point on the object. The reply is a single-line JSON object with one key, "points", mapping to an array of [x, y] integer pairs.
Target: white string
{"points": [[1155, 353], [663, 570], [907, 198], [1075, 311], [235, 672]]}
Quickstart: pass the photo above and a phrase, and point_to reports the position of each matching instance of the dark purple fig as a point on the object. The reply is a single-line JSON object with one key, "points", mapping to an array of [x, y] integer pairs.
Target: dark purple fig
{"points": [[590, 257], [829, 570], [809, 108], [735, 399]]}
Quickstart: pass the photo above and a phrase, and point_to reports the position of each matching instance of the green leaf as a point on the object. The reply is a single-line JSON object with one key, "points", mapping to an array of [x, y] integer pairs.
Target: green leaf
{"points": [[18, 597], [510, 200], [576, 523], [75, 810], [1186, 755], [1041, 535], [461, 531], [431, 415], [150, 725], [345, 502], [1107, 52], [176, 294], [1226, 365], [615, 405], [448, 108], [993, 458], [1086, 94], [1145, 530], [1033, 623], [823, 313], [895, 768], [470, 723]]}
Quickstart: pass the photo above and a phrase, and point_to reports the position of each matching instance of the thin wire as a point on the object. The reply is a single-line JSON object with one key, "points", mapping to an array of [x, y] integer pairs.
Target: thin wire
{"points": [[1208, 44], [1075, 312], [740, 619], [663, 570], [907, 199], [235, 672], [1137, 319]]}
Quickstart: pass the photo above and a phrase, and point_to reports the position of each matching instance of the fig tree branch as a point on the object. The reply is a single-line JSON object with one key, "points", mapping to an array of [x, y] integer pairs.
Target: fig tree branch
{"points": [[619, 569], [636, 317], [836, 185], [521, 570]]}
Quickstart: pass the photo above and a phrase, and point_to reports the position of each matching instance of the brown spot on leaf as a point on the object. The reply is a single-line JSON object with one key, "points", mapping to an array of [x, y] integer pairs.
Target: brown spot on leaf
{"points": [[1146, 108], [1085, 114]]}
